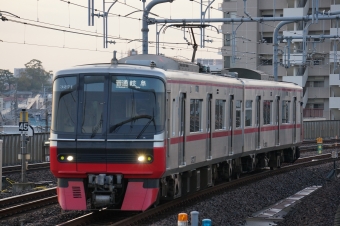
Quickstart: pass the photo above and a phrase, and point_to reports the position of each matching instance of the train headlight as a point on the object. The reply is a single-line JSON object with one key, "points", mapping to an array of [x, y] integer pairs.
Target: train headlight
{"points": [[141, 158], [70, 158]]}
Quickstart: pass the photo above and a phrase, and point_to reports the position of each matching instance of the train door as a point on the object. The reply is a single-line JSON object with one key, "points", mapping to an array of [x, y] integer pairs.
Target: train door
{"points": [[182, 115], [294, 120], [209, 132], [258, 123], [92, 116], [231, 123], [168, 115], [277, 112]]}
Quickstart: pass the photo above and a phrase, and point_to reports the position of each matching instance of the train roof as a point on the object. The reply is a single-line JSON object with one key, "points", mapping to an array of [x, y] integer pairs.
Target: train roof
{"points": [[171, 69], [109, 68]]}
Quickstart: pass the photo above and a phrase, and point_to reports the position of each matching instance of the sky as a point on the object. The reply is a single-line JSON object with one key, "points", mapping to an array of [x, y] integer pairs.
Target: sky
{"points": [[43, 32]]}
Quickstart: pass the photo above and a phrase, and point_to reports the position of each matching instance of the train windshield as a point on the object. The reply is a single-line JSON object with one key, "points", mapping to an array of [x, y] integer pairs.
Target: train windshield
{"points": [[136, 107], [116, 106]]}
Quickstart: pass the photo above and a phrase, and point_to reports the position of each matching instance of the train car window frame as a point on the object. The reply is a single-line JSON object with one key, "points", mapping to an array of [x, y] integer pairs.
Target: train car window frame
{"points": [[66, 120], [267, 112], [238, 114], [196, 115], [220, 110], [249, 113], [93, 104], [285, 111]]}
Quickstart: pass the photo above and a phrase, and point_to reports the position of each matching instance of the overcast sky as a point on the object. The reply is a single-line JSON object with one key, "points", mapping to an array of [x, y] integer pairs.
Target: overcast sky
{"points": [[57, 49]]}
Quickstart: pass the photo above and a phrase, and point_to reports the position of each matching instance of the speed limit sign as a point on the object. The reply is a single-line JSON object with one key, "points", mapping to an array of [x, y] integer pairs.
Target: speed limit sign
{"points": [[23, 126]]}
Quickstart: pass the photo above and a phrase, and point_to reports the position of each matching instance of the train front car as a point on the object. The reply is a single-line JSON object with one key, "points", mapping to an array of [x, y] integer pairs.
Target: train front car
{"points": [[107, 136]]}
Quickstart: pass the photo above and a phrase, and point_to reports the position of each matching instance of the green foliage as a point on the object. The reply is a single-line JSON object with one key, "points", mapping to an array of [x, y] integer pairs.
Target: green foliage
{"points": [[34, 77], [6, 80]]}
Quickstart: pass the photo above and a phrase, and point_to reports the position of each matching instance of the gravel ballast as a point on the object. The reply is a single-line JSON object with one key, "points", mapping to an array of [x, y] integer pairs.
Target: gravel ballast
{"points": [[230, 208]]}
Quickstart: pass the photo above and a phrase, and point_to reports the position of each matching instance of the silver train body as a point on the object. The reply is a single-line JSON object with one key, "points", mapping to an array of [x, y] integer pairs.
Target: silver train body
{"points": [[215, 127]]}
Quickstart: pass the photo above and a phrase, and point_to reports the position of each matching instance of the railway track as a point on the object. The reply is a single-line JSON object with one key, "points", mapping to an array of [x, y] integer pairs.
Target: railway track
{"points": [[31, 167], [115, 217], [22, 203]]}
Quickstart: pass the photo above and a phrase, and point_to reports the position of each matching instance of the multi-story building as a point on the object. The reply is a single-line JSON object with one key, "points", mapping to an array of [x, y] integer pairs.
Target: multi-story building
{"points": [[315, 66]]}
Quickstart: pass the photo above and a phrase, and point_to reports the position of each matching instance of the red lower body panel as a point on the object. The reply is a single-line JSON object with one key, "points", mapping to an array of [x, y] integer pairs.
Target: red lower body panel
{"points": [[138, 198], [72, 197]]}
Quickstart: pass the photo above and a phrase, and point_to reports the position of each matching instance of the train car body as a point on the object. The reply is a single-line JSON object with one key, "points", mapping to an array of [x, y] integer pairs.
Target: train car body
{"points": [[126, 135]]}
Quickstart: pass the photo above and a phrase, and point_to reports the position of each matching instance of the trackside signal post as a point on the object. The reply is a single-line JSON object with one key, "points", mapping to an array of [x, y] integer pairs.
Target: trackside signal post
{"points": [[23, 128], [319, 141]]}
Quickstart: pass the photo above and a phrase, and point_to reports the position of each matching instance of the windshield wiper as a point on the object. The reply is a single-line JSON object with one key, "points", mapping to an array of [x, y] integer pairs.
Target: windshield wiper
{"points": [[146, 126], [97, 126], [114, 127]]}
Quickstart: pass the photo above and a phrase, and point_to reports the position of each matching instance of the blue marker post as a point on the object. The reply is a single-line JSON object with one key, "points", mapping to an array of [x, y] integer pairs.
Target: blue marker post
{"points": [[206, 222]]}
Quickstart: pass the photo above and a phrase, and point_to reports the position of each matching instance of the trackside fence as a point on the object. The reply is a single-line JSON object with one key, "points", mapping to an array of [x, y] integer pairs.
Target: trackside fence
{"points": [[326, 129], [11, 147]]}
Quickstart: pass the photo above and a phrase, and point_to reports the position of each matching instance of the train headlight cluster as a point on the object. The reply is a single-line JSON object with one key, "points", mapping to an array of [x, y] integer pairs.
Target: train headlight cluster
{"points": [[145, 158], [65, 158]]}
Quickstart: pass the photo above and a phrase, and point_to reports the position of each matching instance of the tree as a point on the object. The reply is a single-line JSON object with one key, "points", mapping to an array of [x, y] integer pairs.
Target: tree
{"points": [[7, 80], [34, 77]]}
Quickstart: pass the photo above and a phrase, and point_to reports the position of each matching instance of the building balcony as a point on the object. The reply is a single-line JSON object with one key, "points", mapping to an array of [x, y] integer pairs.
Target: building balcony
{"points": [[269, 26], [295, 58], [293, 33], [312, 113], [265, 48], [318, 92], [299, 80], [324, 25], [335, 8], [333, 59], [334, 102], [296, 12], [334, 31], [281, 72], [334, 80], [268, 4]]}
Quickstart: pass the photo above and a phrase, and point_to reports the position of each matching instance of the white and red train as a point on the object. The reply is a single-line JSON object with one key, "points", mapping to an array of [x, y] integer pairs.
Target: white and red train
{"points": [[129, 134]]}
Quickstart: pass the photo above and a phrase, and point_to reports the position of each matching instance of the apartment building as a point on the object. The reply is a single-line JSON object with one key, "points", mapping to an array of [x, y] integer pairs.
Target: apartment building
{"points": [[314, 66]]}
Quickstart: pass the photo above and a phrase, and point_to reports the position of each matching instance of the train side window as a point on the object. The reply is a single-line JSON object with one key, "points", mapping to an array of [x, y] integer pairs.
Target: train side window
{"points": [[195, 115], [267, 110], [238, 114], [249, 113], [285, 111], [220, 114]]}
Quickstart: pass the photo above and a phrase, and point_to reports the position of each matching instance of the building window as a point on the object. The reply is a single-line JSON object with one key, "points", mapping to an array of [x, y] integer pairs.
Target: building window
{"points": [[229, 15], [195, 115], [249, 109], [238, 114], [268, 39], [266, 60], [318, 106], [227, 39], [227, 60], [285, 111], [267, 106], [319, 83], [220, 114]]}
